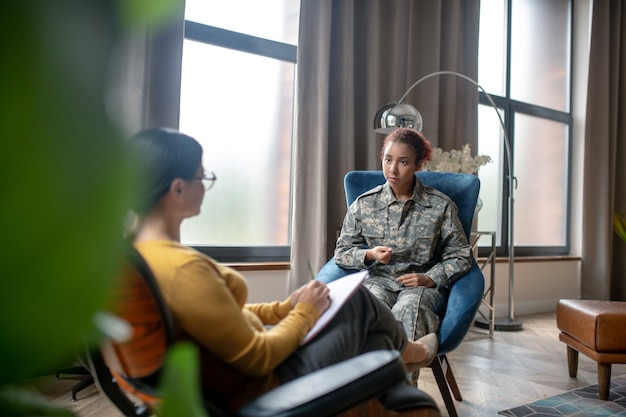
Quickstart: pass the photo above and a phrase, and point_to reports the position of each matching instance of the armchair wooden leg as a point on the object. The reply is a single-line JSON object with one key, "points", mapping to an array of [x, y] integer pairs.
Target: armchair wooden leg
{"points": [[446, 383], [447, 367]]}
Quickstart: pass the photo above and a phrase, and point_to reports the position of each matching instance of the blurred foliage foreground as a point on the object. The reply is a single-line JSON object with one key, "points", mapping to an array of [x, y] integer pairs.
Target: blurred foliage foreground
{"points": [[66, 183]]}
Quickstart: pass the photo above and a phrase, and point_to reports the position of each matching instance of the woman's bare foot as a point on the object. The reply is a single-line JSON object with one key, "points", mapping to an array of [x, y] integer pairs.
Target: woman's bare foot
{"points": [[421, 352]]}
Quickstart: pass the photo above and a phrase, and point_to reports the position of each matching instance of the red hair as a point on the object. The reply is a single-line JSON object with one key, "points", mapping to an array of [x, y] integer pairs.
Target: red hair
{"points": [[413, 138]]}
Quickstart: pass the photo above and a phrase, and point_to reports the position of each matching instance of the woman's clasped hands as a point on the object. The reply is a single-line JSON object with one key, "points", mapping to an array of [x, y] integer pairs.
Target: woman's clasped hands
{"points": [[416, 280], [380, 254]]}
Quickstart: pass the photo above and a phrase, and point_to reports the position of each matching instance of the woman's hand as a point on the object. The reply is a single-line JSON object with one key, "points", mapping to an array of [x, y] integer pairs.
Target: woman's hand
{"points": [[416, 280], [381, 254], [295, 296], [315, 293]]}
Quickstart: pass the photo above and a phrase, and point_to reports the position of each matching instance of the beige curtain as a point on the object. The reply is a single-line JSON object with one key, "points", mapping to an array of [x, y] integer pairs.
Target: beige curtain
{"points": [[143, 86], [604, 266], [353, 57]]}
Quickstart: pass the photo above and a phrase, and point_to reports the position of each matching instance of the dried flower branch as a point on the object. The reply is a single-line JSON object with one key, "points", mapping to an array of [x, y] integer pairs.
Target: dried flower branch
{"points": [[456, 161]]}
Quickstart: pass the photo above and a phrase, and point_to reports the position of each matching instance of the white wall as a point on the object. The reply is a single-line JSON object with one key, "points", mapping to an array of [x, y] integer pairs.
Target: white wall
{"points": [[537, 286], [266, 285]]}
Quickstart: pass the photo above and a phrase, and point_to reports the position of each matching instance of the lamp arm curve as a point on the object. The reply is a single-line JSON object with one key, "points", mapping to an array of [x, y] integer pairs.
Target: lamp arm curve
{"points": [[507, 142], [512, 180]]}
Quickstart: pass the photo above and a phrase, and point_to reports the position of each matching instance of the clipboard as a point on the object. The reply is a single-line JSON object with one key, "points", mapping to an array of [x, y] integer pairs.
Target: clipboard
{"points": [[340, 291]]}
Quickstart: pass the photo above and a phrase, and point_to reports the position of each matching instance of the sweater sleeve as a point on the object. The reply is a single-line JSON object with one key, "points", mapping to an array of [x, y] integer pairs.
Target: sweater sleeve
{"points": [[270, 313], [204, 307]]}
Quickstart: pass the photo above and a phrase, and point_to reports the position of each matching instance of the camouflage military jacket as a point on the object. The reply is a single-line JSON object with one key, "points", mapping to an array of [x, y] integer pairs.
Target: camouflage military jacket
{"points": [[424, 232]]}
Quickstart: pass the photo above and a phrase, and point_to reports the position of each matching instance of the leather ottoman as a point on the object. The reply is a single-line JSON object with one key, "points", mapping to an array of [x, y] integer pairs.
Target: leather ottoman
{"points": [[596, 329]]}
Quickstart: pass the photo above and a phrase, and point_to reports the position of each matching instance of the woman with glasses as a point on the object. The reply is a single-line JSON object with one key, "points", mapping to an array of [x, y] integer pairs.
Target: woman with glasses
{"points": [[241, 359]]}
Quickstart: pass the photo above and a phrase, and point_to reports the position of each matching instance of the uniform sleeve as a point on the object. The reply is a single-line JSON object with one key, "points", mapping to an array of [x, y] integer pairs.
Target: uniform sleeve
{"points": [[350, 251], [455, 250], [204, 307]]}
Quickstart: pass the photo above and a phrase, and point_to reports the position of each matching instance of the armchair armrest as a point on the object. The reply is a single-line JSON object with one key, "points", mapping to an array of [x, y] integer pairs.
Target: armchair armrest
{"points": [[333, 389], [465, 297], [402, 397], [331, 271]]}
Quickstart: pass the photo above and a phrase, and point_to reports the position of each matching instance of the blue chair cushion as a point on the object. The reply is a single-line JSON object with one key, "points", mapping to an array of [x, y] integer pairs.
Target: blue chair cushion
{"points": [[463, 189]]}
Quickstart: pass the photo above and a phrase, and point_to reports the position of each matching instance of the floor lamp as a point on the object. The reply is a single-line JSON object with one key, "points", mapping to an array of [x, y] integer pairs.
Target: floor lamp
{"points": [[400, 114]]}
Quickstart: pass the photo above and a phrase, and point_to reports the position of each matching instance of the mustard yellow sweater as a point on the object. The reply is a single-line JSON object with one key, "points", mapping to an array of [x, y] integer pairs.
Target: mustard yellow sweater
{"points": [[208, 303]]}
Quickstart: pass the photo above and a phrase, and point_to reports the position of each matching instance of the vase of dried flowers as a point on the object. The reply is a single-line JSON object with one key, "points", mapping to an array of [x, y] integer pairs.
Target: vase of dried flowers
{"points": [[456, 160], [460, 161]]}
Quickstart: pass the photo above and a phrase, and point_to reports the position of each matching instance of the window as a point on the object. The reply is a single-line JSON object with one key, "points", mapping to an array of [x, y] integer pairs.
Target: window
{"points": [[237, 93], [237, 99], [524, 64]]}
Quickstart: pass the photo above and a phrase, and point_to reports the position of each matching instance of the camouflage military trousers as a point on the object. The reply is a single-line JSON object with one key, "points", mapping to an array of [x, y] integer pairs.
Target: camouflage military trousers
{"points": [[418, 309]]}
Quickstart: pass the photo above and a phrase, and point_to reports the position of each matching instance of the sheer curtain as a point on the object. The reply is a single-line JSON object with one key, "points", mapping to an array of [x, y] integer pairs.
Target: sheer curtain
{"points": [[603, 264], [353, 57]]}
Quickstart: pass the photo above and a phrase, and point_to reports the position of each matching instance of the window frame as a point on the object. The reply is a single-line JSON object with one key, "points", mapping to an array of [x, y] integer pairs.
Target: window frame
{"points": [[210, 35], [215, 36], [510, 108]]}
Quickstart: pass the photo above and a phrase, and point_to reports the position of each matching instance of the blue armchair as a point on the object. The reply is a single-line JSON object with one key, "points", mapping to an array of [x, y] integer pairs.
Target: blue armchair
{"points": [[466, 294]]}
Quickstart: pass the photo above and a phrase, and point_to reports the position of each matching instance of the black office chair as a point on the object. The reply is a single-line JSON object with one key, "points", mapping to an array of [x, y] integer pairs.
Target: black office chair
{"points": [[107, 385], [374, 382]]}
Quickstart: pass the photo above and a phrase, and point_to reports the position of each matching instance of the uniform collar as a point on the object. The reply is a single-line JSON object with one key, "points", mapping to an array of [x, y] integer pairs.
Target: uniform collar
{"points": [[419, 196]]}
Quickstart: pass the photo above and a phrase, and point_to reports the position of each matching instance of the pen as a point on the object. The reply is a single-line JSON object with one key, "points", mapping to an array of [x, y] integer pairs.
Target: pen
{"points": [[308, 264]]}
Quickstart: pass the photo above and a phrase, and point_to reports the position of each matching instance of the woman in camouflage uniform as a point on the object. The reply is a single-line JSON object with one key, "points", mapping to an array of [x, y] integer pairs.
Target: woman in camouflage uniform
{"points": [[408, 236]]}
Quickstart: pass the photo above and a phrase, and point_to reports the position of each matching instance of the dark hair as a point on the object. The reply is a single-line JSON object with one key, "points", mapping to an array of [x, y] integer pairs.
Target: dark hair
{"points": [[162, 155], [414, 139]]}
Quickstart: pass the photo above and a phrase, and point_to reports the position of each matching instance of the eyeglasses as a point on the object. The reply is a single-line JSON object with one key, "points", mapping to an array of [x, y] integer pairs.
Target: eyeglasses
{"points": [[207, 180]]}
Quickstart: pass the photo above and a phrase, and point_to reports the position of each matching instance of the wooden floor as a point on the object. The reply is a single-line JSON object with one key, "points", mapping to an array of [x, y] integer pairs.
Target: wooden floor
{"points": [[510, 369]]}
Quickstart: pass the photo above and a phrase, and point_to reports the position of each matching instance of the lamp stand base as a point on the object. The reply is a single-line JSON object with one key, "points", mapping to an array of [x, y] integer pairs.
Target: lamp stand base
{"points": [[504, 324]]}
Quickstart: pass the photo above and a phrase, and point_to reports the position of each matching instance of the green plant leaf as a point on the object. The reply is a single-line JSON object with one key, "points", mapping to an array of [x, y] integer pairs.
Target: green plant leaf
{"points": [[150, 12], [619, 225], [65, 180], [180, 383]]}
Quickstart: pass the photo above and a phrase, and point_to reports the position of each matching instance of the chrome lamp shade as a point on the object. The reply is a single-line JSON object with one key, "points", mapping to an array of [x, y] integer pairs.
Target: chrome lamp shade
{"points": [[394, 115]]}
